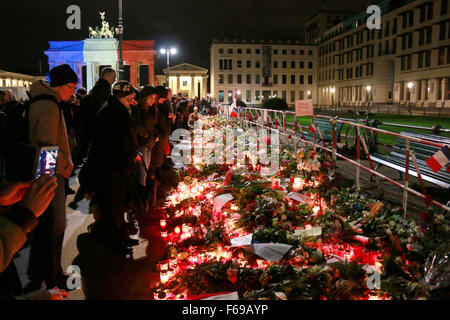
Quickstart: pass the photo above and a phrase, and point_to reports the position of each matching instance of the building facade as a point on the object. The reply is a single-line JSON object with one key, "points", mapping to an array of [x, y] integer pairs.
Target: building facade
{"points": [[321, 22], [406, 62], [88, 57], [258, 70], [139, 62], [18, 83], [186, 79]]}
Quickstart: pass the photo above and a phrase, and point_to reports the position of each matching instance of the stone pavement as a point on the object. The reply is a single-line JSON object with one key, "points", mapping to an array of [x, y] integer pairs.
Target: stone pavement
{"points": [[104, 275]]}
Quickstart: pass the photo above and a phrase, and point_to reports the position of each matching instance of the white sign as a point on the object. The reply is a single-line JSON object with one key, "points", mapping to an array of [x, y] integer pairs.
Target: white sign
{"points": [[226, 296], [313, 232], [298, 197], [221, 200], [304, 108], [271, 251], [242, 241]]}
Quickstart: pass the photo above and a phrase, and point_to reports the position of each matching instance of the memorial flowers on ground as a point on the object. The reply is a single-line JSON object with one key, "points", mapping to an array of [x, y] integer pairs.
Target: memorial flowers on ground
{"points": [[294, 235]]}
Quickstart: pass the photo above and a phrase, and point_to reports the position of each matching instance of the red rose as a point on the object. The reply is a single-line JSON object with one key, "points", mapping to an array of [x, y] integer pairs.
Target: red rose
{"points": [[232, 275]]}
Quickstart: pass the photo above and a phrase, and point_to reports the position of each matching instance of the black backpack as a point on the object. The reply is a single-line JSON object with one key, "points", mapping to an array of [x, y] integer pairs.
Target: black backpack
{"points": [[17, 128]]}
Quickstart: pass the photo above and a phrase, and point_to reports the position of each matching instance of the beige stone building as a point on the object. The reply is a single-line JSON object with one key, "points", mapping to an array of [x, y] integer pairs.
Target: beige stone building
{"points": [[187, 79], [317, 25], [406, 62], [257, 70], [18, 83]]}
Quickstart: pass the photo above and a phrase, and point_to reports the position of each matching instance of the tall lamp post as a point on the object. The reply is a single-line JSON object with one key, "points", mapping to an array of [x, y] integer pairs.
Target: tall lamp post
{"points": [[332, 91], [168, 53], [410, 85], [119, 31], [368, 89]]}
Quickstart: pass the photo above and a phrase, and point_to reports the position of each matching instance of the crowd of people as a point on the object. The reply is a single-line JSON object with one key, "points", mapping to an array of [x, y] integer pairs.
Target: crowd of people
{"points": [[118, 135]]}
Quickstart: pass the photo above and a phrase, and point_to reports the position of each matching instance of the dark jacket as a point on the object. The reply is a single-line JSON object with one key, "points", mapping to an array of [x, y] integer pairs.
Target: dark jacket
{"points": [[144, 122], [114, 147], [92, 103], [162, 129], [183, 111]]}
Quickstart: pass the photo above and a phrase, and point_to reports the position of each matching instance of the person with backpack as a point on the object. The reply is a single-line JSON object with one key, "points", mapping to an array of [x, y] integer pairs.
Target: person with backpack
{"points": [[47, 128]]}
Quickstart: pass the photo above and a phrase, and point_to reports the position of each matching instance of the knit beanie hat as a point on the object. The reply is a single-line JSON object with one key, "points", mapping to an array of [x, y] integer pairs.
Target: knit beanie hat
{"points": [[122, 89], [61, 75]]}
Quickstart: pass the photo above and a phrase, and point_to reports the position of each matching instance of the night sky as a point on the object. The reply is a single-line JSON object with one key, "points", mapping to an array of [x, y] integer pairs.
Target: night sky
{"points": [[189, 25]]}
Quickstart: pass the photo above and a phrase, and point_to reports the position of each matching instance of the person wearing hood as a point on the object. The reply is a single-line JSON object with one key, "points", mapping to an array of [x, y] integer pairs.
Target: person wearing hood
{"points": [[111, 169], [47, 128], [145, 118]]}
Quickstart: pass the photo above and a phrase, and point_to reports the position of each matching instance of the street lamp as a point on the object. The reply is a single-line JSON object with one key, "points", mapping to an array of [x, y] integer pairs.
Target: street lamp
{"points": [[332, 91], [119, 31], [167, 52], [368, 89], [410, 86], [309, 94]]}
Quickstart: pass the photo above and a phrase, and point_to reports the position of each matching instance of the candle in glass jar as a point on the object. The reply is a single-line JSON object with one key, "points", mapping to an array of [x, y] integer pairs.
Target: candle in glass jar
{"points": [[164, 277], [163, 266], [163, 223], [173, 263], [164, 234], [297, 183], [316, 209], [177, 230]]}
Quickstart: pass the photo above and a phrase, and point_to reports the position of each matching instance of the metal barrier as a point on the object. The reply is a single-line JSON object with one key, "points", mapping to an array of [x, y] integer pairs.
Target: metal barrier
{"points": [[281, 128]]}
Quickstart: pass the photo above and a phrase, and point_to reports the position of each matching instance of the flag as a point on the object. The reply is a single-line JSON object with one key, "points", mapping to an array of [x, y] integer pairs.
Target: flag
{"points": [[234, 110], [311, 127], [439, 159]]}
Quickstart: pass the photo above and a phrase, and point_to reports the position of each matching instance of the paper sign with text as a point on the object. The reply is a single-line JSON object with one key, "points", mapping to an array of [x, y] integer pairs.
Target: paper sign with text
{"points": [[304, 108]]}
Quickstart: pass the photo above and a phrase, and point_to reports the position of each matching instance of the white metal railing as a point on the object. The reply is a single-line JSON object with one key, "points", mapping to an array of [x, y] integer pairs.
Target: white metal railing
{"points": [[276, 120]]}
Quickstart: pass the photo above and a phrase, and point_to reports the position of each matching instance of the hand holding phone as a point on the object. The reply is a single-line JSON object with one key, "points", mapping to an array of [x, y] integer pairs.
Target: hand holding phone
{"points": [[40, 194]]}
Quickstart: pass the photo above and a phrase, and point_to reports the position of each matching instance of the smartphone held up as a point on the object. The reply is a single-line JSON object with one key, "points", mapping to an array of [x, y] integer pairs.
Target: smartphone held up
{"points": [[29, 162]]}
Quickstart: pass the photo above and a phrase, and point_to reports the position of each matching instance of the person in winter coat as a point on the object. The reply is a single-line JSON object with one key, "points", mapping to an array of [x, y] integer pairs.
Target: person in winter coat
{"points": [[111, 167], [145, 117], [47, 128], [89, 107]]}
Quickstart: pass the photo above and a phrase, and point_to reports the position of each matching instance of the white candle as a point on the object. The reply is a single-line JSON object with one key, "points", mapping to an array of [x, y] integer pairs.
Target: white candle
{"points": [[164, 277]]}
